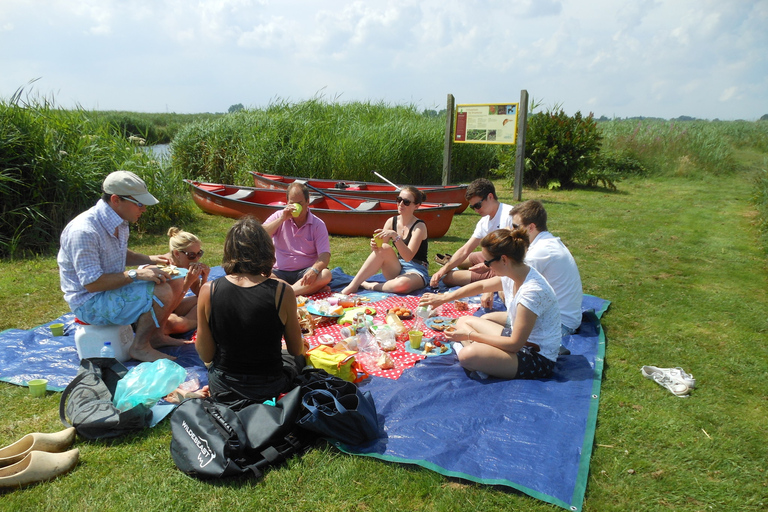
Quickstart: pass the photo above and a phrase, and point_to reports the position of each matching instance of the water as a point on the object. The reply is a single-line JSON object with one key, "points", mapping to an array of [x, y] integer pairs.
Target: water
{"points": [[159, 151]]}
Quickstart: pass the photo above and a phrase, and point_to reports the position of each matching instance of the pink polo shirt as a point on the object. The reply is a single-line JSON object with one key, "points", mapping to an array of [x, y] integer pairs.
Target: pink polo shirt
{"points": [[297, 248]]}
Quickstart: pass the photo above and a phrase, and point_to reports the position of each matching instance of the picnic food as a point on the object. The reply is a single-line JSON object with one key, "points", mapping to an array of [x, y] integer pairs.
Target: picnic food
{"points": [[170, 269], [402, 312], [460, 305], [306, 322], [385, 362], [301, 301], [428, 347]]}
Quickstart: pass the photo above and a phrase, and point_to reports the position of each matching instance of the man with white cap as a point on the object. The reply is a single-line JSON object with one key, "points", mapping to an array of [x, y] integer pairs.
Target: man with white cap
{"points": [[92, 259]]}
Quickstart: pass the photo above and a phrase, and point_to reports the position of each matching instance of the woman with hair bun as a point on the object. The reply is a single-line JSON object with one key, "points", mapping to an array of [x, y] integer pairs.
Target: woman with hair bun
{"points": [[185, 252], [407, 269], [527, 346]]}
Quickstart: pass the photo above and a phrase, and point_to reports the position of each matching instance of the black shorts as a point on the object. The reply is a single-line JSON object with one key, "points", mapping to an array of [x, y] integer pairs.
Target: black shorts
{"points": [[531, 365]]}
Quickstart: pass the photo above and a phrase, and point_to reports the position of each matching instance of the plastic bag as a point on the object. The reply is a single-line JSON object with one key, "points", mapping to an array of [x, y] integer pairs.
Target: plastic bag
{"points": [[385, 336], [147, 383]]}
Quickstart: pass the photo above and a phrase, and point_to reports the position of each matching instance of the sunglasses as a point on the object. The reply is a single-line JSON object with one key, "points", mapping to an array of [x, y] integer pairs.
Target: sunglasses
{"points": [[132, 200], [488, 262], [477, 205], [406, 202], [193, 255]]}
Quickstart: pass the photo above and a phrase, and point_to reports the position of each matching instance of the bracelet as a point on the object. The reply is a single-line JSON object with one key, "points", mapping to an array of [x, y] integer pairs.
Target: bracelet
{"points": [[317, 272], [398, 239]]}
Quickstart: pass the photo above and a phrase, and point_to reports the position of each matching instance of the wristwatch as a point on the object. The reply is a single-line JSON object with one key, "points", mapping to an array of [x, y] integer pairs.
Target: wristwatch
{"points": [[132, 274]]}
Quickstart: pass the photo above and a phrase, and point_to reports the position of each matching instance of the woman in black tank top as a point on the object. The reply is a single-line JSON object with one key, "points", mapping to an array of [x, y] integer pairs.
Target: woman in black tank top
{"points": [[242, 319], [402, 256]]}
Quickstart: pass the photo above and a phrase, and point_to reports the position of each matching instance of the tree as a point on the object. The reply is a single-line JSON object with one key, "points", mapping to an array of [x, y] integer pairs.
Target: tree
{"points": [[236, 108]]}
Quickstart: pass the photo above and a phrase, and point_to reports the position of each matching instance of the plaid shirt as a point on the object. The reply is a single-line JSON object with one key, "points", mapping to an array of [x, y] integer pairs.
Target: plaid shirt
{"points": [[89, 248]]}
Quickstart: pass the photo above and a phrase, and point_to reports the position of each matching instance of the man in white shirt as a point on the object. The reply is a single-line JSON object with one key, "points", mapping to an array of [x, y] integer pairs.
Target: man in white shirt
{"points": [[482, 198], [553, 260]]}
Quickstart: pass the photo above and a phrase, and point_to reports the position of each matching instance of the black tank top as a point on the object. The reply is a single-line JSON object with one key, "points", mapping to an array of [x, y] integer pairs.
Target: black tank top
{"points": [[421, 255], [246, 327]]}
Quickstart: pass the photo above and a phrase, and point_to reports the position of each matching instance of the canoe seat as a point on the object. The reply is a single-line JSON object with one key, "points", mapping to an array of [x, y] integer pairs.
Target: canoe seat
{"points": [[367, 206], [240, 194]]}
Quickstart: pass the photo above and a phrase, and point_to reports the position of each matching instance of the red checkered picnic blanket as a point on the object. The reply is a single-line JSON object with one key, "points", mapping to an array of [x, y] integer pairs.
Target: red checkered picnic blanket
{"points": [[402, 358]]}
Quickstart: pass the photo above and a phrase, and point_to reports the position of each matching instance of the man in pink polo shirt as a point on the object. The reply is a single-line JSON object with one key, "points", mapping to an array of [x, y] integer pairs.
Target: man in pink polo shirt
{"points": [[302, 247]]}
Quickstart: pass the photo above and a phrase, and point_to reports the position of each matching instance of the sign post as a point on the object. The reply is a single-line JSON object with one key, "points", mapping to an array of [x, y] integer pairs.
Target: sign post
{"points": [[448, 141], [520, 149]]}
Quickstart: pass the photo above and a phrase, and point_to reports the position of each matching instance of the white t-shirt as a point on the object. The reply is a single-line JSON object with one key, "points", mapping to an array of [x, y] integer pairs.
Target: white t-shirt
{"points": [[486, 225], [554, 261], [538, 296]]}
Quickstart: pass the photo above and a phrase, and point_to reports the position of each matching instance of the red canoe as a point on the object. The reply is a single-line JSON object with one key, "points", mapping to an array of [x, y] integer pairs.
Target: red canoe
{"points": [[435, 193], [362, 219]]}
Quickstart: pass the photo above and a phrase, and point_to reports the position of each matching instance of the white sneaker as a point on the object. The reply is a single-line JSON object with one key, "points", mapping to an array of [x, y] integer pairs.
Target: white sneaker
{"points": [[675, 380]]}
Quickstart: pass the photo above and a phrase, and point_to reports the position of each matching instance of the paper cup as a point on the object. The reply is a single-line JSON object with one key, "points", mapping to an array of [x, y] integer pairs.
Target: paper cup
{"points": [[415, 337], [57, 329], [296, 209], [37, 387]]}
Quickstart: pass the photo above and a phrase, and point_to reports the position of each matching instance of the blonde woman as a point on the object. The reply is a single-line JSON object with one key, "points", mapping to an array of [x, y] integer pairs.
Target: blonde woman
{"points": [[185, 252]]}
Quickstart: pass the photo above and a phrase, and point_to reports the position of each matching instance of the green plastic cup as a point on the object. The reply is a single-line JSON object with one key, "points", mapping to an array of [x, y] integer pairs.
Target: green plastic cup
{"points": [[379, 241], [296, 209], [57, 329], [415, 337], [37, 387]]}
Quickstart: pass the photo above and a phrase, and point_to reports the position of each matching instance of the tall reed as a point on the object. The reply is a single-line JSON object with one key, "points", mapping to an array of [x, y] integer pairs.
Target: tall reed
{"points": [[318, 139], [52, 164]]}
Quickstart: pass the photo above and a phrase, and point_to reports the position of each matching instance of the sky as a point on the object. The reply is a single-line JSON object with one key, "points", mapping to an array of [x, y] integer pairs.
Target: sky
{"points": [[706, 59]]}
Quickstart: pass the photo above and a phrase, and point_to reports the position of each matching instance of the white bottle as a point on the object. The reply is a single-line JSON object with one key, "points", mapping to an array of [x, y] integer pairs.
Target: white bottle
{"points": [[107, 350]]}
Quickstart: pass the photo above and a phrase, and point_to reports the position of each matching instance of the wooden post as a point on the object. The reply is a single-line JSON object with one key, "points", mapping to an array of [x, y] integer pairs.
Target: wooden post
{"points": [[522, 124], [448, 140]]}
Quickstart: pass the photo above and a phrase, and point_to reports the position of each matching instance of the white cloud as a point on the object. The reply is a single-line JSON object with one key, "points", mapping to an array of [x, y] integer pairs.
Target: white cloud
{"points": [[645, 57]]}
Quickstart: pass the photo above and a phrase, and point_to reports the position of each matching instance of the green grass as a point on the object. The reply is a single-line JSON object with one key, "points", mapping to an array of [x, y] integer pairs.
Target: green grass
{"points": [[679, 259]]}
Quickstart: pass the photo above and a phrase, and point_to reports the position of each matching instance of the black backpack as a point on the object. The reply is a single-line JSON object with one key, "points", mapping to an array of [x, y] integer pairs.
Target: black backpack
{"points": [[210, 440], [86, 402]]}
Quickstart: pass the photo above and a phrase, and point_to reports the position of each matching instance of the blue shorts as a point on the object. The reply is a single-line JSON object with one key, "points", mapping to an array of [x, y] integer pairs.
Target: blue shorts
{"points": [[122, 306], [290, 276], [409, 267]]}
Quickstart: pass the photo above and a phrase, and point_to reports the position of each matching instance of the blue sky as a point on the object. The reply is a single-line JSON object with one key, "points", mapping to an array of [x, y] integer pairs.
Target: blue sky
{"points": [[665, 58]]}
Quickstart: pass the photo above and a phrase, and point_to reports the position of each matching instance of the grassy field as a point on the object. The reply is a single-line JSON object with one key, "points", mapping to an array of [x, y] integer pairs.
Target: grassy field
{"points": [[680, 260]]}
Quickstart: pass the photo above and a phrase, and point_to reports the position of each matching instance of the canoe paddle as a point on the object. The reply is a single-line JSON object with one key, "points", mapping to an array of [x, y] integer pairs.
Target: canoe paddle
{"points": [[329, 196], [385, 179]]}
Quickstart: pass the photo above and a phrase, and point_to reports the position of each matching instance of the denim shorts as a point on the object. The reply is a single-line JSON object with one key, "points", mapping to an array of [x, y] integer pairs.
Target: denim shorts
{"points": [[122, 306], [410, 267]]}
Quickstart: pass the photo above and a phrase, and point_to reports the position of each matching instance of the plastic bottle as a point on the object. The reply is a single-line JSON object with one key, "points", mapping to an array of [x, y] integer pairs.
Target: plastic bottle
{"points": [[348, 331], [107, 350]]}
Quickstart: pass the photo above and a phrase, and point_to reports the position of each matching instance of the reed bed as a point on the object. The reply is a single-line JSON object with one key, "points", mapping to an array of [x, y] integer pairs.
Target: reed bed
{"points": [[318, 139], [52, 164]]}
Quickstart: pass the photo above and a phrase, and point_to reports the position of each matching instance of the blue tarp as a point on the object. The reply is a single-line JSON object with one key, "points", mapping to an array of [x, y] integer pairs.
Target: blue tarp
{"points": [[535, 436]]}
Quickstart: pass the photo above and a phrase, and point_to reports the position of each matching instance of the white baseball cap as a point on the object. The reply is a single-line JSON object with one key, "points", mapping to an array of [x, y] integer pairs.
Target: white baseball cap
{"points": [[125, 183]]}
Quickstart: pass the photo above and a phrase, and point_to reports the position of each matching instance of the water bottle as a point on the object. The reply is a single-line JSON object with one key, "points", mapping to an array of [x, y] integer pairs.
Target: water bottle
{"points": [[107, 350], [348, 331]]}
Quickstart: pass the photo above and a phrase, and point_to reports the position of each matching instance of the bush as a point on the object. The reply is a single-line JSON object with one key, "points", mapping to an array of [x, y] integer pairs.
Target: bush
{"points": [[559, 148]]}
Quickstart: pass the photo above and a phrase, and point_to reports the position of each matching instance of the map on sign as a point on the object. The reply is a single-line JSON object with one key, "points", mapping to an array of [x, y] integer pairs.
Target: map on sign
{"points": [[486, 123]]}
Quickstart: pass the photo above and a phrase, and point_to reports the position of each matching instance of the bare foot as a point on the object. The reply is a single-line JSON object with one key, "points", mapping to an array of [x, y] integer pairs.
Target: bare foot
{"points": [[368, 286], [348, 290], [167, 341], [324, 289], [148, 355]]}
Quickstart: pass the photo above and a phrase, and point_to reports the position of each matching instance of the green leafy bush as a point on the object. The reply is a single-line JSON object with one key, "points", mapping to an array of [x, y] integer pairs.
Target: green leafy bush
{"points": [[559, 148]]}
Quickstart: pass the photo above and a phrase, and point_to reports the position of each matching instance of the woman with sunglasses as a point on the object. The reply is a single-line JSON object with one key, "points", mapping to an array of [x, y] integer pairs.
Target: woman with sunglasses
{"points": [[402, 255], [186, 251], [526, 347]]}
